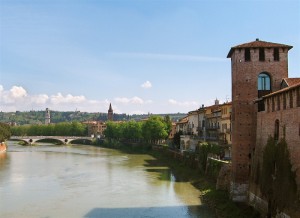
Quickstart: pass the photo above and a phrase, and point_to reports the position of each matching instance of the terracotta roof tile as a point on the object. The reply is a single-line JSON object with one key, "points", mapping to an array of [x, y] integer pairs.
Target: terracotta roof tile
{"points": [[292, 81], [258, 44]]}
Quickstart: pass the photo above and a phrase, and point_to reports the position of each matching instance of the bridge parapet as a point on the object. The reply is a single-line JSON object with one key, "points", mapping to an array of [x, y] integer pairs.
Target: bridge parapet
{"points": [[63, 139]]}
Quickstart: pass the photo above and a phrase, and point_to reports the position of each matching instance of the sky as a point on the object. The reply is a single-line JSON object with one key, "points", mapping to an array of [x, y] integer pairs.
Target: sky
{"points": [[142, 56]]}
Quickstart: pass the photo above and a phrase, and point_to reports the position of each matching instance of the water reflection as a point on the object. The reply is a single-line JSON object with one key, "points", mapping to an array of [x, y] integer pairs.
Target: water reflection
{"points": [[87, 181]]}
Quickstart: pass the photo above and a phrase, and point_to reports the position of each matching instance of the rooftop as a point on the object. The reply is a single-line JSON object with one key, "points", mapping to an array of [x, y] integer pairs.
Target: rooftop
{"points": [[258, 44]]}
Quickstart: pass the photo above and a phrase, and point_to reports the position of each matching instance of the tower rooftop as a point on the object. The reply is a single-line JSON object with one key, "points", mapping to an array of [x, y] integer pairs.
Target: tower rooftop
{"points": [[258, 44]]}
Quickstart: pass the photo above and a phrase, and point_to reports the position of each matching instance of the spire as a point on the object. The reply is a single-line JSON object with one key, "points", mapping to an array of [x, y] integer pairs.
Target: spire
{"points": [[110, 113], [110, 108]]}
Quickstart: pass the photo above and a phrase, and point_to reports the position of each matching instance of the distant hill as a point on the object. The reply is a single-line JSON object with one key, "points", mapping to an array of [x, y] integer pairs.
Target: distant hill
{"points": [[38, 117]]}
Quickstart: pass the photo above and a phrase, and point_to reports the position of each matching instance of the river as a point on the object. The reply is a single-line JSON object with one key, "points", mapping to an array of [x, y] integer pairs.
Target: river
{"points": [[86, 181]]}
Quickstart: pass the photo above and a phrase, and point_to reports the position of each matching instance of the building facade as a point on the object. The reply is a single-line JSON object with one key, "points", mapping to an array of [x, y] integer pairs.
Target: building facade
{"points": [[257, 69]]}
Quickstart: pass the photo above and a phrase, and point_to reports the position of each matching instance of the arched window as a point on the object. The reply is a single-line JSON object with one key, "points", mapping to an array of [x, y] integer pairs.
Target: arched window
{"points": [[264, 82], [276, 132]]}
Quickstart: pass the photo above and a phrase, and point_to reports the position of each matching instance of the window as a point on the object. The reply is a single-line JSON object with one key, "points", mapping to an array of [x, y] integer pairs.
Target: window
{"points": [[247, 54], [264, 82], [276, 132], [276, 54], [261, 54]]}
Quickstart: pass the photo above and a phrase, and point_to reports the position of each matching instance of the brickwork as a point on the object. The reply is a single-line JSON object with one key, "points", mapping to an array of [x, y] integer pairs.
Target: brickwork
{"points": [[245, 74], [289, 125]]}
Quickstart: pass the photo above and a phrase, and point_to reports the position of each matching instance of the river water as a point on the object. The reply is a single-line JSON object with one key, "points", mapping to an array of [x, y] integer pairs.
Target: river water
{"points": [[85, 181]]}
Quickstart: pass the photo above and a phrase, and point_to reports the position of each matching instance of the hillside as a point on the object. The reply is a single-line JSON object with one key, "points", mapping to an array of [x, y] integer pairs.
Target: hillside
{"points": [[38, 117]]}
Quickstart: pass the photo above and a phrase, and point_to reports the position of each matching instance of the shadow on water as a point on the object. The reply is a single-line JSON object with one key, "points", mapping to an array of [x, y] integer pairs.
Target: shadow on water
{"points": [[155, 212], [164, 171]]}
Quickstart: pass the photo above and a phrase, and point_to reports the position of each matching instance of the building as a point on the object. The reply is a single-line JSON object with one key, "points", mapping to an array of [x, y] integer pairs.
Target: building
{"points": [[257, 69], [265, 102], [95, 128], [213, 118], [278, 117], [182, 125], [207, 124], [192, 126], [110, 114]]}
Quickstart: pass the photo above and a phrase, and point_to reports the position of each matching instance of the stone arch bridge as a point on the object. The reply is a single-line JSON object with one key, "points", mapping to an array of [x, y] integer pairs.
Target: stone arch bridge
{"points": [[63, 139]]}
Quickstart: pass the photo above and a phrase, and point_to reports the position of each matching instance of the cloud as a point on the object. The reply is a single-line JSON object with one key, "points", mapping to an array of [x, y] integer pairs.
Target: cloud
{"points": [[168, 57], [39, 99], [146, 85], [69, 99], [134, 100], [18, 92], [183, 104], [17, 98]]}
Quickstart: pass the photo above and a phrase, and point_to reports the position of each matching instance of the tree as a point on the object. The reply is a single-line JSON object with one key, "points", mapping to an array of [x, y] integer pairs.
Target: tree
{"points": [[154, 129], [5, 132], [132, 130], [176, 139], [168, 123], [278, 183]]}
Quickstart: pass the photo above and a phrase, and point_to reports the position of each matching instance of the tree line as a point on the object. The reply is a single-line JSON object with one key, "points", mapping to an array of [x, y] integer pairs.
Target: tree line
{"points": [[153, 130], [5, 132], [58, 129]]}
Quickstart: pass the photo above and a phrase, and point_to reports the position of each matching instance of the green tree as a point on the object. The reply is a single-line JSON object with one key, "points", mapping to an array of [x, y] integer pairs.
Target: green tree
{"points": [[278, 183], [176, 139], [154, 129], [5, 132], [168, 123], [132, 131]]}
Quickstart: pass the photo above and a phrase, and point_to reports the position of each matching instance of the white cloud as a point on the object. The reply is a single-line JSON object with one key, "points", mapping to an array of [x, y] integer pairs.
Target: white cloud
{"points": [[69, 99], [183, 104], [39, 99], [17, 98], [18, 92], [146, 85], [133, 100]]}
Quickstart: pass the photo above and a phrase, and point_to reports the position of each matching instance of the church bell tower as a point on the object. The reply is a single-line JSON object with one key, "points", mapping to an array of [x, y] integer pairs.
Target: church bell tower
{"points": [[110, 113]]}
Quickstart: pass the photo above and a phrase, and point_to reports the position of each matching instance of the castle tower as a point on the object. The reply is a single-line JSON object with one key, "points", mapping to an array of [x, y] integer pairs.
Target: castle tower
{"points": [[47, 116], [110, 113], [257, 68]]}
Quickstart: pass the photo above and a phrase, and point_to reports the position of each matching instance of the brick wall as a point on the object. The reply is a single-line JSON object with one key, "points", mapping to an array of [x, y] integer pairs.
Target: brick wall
{"points": [[244, 110]]}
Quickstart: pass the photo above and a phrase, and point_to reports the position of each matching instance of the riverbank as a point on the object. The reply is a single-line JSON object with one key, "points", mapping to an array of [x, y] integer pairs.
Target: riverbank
{"points": [[183, 171]]}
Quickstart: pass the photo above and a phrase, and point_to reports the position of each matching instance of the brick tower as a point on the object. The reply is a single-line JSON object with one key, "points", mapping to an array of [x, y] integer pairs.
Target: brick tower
{"points": [[257, 68], [47, 116], [110, 113]]}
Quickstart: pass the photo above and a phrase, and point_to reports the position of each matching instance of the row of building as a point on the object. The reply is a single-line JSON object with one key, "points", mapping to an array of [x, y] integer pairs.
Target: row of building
{"points": [[206, 124]]}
